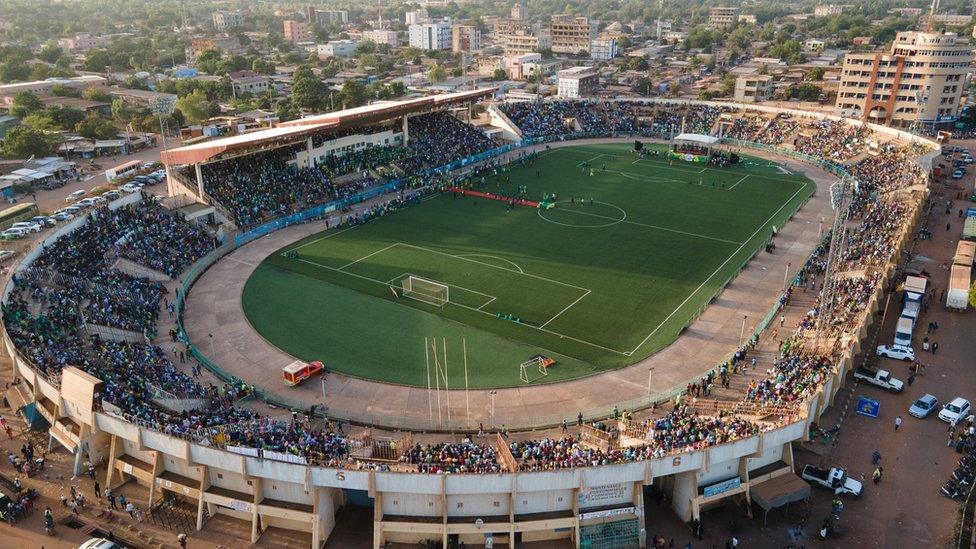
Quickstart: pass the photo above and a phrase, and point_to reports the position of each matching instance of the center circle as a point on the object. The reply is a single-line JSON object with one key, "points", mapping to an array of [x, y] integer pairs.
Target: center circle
{"points": [[586, 214]]}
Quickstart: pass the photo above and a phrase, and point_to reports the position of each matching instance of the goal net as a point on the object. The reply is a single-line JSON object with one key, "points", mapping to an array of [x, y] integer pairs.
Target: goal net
{"points": [[425, 290], [537, 362]]}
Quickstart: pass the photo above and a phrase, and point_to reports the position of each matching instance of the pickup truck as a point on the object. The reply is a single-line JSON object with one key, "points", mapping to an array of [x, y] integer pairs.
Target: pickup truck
{"points": [[835, 479], [881, 378]]}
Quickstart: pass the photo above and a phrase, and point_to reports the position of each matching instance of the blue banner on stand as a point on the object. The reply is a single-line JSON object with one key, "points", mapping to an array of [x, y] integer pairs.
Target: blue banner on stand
{"points": [[868, 407]]}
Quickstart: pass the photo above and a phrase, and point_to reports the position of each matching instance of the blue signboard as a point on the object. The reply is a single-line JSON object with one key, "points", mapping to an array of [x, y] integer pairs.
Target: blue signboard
{"points": [[721, 487], [868, 407]]}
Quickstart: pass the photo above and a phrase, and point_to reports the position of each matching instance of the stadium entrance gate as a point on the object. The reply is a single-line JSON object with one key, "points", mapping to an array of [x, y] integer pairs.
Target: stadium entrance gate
{"points": [[619, 534]]}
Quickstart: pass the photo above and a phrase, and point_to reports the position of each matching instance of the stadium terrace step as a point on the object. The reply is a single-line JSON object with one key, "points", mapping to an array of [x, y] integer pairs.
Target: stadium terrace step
{"points": [[130, 267]]}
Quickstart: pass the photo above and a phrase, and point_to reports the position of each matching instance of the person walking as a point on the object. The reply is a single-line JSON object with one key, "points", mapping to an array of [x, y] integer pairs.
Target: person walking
{"points": [[935, 346], [911, 377], [897, 422], [877, 474]]}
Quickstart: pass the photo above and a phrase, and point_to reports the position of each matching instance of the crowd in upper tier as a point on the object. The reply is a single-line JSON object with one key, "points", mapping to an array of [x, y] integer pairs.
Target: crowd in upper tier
{"points": [[73, 289]]}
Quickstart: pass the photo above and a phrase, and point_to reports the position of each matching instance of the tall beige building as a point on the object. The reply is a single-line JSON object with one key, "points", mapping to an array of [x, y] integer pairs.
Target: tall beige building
{"points": [[571, 34], [920, 80], [722, 18], [465, 38]]}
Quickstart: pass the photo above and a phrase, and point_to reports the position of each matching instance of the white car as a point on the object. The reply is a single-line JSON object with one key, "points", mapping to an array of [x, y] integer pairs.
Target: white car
{"points": [[73, 210], [63, 216], [955, 410], [111, 195], [75, 195], [86, 202], [897, 352], [131, 187], [13, 233], [28, 226], [6, 254]]}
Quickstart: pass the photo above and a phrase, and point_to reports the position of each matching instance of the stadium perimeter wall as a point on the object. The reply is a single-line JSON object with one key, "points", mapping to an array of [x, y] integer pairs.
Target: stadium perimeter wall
{"points": [[404, 503]]}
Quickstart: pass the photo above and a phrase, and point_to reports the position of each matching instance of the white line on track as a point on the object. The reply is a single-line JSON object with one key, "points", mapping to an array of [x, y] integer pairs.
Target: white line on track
{"points": [[652, 226], [381, 250], [744, 177]]}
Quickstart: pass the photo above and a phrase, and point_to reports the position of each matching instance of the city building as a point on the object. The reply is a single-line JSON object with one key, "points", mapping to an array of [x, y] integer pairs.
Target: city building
{"points": [[826, 10], [249, 82], [525, 41], [296, 31], [577, 82], [382, 36], [326, 17], [747, 18], [416, 16], [571, 34], [336, 48], [83, 42], [430, 36], [945, 19], [753, 88], [223, 20], [722, 18], [515, 65], [465, 38], [921, 80], [43, 87], [519, 11], [196, 47], [603, 49]]}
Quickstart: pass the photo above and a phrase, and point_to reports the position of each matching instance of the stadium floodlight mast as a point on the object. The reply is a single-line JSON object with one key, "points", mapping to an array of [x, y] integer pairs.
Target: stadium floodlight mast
{"points": [[162, 107], [840, 201]]}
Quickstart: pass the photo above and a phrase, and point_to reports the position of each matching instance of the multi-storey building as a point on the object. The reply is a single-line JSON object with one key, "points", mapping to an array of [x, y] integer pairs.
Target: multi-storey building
{"points": [[326, 17], [223, 20], [946, 19], [431, 36], [416, 16], [83, 42], [921, 80], [296, 31], [603, 49], [578, 82], [336, 48], [722, 18], [753, 88], [197, 46], [571, 34], [526, 41], [826, 10], [465, 38], [382, 36]]}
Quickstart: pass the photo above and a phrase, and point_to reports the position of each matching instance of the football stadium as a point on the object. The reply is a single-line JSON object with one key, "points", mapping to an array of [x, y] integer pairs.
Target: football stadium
{"points": [[513, 325]]}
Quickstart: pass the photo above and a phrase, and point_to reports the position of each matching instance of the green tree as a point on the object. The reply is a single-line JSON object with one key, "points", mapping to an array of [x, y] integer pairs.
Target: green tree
{"points": [[25, 141], [195, 107], [65, 117], [499, 74], [806, 92], [14, 71], [262, 66], [97, 94], [436, 73], [365, 47], [972, 295], [307, 91], [96, 127], [728, 85], [51, 52], [65, 91], [353, 93], [25, 103], [96, 61], [41, 122], [814, 74]]}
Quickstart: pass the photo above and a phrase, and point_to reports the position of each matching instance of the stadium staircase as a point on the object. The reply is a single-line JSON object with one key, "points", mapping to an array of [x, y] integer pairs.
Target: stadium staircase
{"points": [[175, 514]]}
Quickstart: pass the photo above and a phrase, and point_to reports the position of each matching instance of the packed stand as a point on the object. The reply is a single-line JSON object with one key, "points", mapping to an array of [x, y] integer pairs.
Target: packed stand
{"points": [[439, 138], [553, 118], [832, 139], [463, 457]]}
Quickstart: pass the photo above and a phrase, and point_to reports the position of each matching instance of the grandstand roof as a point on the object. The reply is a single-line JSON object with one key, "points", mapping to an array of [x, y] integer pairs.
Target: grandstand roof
{"points": [[295, 129]]}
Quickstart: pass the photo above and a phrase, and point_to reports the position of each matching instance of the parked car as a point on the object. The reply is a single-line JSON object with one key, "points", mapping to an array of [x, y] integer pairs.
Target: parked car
{"points": [[834, 478], [98, 200], [44, 220], [99, 543], [75, 195], [73, 210], [922, 407], [958, 174], [28, 226], [12, 233], [131, 188], [6, 254], [86, 202], [62, 215], [897, 352], [111, 195], [955, 410]]}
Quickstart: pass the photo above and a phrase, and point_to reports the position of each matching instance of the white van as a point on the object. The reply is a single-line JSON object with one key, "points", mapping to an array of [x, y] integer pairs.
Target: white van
{"points": [[911, 311], [75, 195], [903, 332]]}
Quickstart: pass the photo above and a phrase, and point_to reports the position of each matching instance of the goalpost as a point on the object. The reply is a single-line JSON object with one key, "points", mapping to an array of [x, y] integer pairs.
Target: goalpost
{"points": [[542, 363], [427, 291]]}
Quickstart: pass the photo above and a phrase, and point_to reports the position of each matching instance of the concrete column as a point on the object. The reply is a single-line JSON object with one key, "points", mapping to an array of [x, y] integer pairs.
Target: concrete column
{"points": [[308, 149], [111, 461], [199, 172], [377, 519], [576, 522], [406, 131], [204, 484], [638, 501], [258, 487]]}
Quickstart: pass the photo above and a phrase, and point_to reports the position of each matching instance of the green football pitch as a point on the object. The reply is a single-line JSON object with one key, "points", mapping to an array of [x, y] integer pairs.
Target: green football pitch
{"points": [[632, 252]]}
